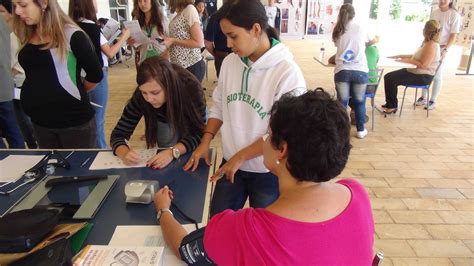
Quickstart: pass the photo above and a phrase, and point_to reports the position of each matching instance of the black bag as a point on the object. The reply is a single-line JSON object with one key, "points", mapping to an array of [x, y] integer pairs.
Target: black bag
{"points": [[58, 253], [20, 231]]}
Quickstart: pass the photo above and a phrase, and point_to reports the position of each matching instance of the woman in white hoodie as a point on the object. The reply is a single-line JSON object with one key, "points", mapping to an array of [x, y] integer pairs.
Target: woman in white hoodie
{"points": [[258, 72]]}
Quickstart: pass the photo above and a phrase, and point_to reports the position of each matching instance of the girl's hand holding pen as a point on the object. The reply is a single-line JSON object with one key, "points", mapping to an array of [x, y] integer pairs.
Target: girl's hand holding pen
{"points": [[128, 155]]}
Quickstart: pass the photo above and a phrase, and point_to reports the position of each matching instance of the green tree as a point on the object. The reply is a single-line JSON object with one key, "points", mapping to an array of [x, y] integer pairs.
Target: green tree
{"points": [[374, 9], [395, 9]]}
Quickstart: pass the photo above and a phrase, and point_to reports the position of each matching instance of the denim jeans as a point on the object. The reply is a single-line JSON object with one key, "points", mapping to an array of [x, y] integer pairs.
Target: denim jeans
{"points": [[9, 127], [100, 95], [261, 188], [352, 83], [198, 70]]}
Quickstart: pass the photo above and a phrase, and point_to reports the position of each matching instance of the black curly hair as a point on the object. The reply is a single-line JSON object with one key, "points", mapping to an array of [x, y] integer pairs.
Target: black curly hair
{"points": [[316, 129]]}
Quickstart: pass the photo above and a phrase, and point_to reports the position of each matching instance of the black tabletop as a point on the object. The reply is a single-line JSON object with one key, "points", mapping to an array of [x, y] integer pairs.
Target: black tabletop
{"points": [[189, 190]]}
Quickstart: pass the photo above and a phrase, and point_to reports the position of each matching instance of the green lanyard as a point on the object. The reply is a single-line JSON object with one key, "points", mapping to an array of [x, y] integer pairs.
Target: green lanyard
{"points": [[148, 30]]}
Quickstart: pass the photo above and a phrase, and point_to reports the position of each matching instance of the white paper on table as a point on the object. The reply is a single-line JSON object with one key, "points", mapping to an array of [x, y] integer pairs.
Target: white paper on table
{"points": [[146, 236], [110, 28], [136, 32], [14, 166], [107, 160], [390, 62]]}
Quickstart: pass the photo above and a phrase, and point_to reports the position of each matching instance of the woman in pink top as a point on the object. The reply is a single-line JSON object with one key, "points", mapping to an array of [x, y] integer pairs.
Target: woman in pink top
{"points": [[313, 222]]}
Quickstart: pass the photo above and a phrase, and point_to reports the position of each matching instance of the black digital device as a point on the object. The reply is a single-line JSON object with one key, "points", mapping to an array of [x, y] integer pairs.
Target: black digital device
{"points": [[67, 198]]}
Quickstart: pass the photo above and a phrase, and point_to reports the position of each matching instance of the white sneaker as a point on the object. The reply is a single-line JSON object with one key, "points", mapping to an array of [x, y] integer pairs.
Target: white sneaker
{"points": [[420, 102], [362, 134], [431, 105]]}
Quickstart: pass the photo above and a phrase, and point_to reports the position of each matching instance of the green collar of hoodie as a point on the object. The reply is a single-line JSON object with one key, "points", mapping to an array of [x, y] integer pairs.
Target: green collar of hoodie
{"points": [[273, 42], [246, 73]]}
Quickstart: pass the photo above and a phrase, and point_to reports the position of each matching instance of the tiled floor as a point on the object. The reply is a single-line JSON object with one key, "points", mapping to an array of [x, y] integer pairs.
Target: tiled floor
{"points": [[418, 171]]}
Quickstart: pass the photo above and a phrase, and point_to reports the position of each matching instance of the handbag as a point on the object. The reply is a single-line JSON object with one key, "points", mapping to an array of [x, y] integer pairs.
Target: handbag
{"points": [[20, 231]]}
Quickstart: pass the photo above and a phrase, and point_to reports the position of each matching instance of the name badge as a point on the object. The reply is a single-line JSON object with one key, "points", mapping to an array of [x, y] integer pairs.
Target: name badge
{"points": [[16, 93]]}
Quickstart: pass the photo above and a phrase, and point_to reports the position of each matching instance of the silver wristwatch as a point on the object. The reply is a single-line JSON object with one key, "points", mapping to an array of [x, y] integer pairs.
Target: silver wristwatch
{"points": [[160, 212], [176, 152]]}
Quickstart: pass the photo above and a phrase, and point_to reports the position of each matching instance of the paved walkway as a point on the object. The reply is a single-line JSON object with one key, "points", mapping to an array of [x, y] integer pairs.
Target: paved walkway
{"points": [[418, 171]]}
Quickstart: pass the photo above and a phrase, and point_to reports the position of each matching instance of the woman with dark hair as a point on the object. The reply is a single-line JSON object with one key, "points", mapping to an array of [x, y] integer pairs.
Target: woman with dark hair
{"points": [[313, 221], [451, 24], [186, 37], [426, 59], [172, 102], [83, 12], [202, 11], [351, 71], [258, 72], [54, 51], [151, 20]]}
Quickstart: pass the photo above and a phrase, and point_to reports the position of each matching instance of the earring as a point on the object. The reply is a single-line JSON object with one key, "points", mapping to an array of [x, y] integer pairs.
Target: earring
{"points": [[277, 161]]}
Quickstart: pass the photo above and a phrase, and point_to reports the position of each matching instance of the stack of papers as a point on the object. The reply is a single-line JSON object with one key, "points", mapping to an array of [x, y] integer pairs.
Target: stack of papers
{"points": [[14, 166], [110, 29], [136, 32], [124, 255], [147, 236]]}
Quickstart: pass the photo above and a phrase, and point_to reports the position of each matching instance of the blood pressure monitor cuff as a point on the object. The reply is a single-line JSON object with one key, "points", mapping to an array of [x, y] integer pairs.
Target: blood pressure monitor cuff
{"points": [[192, 249]]}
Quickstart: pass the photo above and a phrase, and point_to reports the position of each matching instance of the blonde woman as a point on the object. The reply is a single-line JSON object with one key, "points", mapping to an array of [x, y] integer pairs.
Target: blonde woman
{"points": [[426, 59], [186, 37], [53, 52]]}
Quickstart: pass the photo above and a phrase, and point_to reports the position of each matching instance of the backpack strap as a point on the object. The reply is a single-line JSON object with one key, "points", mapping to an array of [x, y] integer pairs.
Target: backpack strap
{"points": [[66, 67]]}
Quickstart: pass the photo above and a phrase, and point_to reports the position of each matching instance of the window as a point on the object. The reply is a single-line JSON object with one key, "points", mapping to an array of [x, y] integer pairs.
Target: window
{"points": [[119, 10]]}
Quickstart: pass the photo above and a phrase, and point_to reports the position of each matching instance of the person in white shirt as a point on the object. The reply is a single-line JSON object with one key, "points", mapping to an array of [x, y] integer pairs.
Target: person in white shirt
{"points": [[450, 21], [351, 71], [258, 72], [273, 13]]}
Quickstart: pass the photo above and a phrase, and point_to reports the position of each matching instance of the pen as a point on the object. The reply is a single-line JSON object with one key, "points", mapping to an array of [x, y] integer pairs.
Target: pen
{"points": [[69, 155], [84, 163], [96, 105]]}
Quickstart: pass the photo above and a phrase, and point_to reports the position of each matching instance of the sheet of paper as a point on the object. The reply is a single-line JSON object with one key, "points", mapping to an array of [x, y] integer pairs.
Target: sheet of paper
{"points": [[107, 160], [14, 166], [136, 32], [148, 236], [110, 28], [114, 36]]}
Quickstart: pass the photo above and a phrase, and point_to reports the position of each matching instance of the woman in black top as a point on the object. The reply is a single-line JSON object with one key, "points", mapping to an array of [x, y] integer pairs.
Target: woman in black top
{"points": [[54, 94], [83, 12], [172, 101]]}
